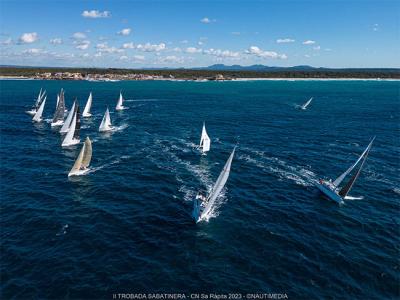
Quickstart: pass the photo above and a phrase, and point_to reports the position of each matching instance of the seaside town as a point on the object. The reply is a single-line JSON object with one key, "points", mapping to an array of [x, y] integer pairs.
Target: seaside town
{"points": [[117, 77]]}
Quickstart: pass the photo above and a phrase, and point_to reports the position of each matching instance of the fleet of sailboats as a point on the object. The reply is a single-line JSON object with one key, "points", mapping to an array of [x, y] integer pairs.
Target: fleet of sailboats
{"points": [[331, 189], [38, 101], [38, 115], [205, 141], [202, 205]]}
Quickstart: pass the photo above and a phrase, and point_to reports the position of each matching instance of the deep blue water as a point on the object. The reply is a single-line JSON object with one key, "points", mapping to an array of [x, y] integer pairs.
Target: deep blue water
{"points": [[126, 226]]}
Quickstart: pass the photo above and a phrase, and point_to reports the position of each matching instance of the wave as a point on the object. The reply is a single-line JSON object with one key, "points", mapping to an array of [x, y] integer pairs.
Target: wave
{"points": [[142, 100]]}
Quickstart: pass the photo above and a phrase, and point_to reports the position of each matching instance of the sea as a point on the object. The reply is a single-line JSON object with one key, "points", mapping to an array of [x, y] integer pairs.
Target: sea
{"points": [[125, 227]]}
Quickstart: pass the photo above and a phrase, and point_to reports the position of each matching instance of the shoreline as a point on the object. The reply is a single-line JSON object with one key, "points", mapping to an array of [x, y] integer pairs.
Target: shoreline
{"points": [[195, 80]]}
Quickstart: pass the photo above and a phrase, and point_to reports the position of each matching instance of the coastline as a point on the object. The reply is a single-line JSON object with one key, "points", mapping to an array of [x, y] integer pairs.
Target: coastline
{"points": [[205, 80]]}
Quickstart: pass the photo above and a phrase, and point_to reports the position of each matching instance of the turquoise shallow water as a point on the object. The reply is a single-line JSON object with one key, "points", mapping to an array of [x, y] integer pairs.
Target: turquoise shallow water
{"points": [[126, 226]]}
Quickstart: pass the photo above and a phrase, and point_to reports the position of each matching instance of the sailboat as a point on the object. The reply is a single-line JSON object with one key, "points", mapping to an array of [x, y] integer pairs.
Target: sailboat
{"points": [[86, 112], [72, 136], [58, 118], [81, 165], [202, 209], [38, 101], [304, 106], [338, 194], [106, 122], [205, 141], [68, 121], [38, 115], [120, 102]]}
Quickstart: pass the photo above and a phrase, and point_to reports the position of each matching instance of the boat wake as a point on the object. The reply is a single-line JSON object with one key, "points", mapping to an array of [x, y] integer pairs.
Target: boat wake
{"points": [[353, 198], [142, 100], [119, 128], [113, 162], [299, 174]]}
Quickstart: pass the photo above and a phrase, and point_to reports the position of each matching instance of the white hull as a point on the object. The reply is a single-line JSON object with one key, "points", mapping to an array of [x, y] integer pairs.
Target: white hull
{"points": [[330, 194], [37, 121], [72, 143], [78, 173], [120, 108], [105, 129], [31, 112], [86, 115], [58, 123]]}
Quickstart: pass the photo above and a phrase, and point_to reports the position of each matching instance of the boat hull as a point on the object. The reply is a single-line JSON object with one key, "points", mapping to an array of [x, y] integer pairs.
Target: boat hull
{"points": [[86, 115], [58, 123], [329, 193], [72, 143], [31, 112], [120, 108], [78, 173]]}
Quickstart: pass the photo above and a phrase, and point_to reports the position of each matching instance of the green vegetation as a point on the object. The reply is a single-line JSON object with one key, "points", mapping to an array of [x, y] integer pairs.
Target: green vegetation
{"points": [[204, 73]]}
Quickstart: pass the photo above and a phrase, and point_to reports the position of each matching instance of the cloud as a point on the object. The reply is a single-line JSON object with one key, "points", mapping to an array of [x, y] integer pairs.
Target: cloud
{"points": [[235, 33], [7, 42], [254, 50], [151, 47], [192, 50], [28, 38], [172, 59], [285, 40], [79, 36], [32, 51], [139, 57], [56, 41], [125, 31], [375, 27], [177, 49], [103, 47], [317, 48], [94, 14], [206, 20], [128, 45], [306, 55], [308, 42], [82, 45], [123, 57], [222, 53], [184, 42]]}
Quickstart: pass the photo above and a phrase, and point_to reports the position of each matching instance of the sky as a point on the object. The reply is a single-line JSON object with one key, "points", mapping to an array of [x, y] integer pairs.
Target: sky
{"points": [[178, 33]]}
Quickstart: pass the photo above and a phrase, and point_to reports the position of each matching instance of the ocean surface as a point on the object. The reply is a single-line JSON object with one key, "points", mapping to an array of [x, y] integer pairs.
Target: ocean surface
{"points": [[126, 226]]}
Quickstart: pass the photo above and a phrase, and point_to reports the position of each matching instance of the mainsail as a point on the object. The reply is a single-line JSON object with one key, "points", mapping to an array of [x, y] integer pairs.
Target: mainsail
{"points": [[304, 106], [87, 156], [38, 115], [59, 114], [84, 157], [86, 112], [342, 176], [218, 186], [106, 122], [68, 140], [40, 98], [346, 189], [120, 102], [68, 120], [204, 140], [78, 122]]}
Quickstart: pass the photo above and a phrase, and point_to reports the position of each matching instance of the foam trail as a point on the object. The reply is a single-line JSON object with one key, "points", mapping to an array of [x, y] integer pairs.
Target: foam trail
{"points": [[353, 198]]}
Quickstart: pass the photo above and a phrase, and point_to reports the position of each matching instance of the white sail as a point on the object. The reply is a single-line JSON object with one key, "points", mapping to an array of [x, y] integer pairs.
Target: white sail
{"points": [[86, 112], [218, 186], [38, 116], [342, 176], [58, 99], [82, 162], [106, 122], [304, 106], [205, 141], [120, 102], [39, 98], [69, 138], [68, 120]]}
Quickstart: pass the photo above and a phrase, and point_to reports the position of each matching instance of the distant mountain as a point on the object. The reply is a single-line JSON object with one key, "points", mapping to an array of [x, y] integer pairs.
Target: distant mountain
{"points": [[263, 68]]}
